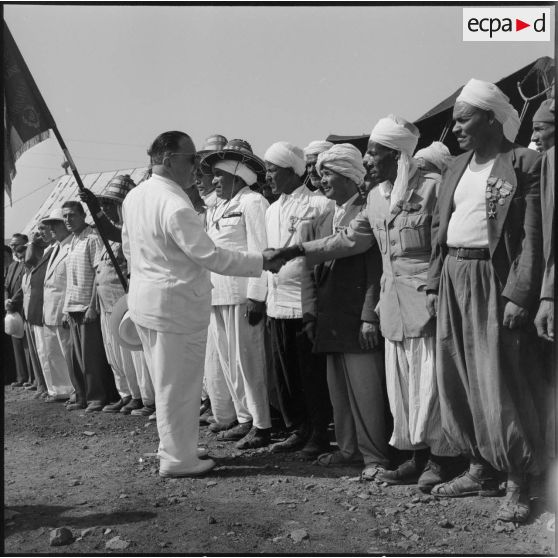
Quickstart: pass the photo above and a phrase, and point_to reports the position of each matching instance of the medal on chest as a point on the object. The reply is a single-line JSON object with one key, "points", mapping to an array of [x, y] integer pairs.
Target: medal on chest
{"points": [[497, 192]]}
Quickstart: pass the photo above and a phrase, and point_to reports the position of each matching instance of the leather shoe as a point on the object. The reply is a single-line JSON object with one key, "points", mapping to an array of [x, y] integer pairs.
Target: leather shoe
{"points": [[294, 442], [30, 387], [205, 405], [439, 470], [115, 407], [94, 407], [407, 473], [235, 433], [145, 411], [204, 418], [75, 406], [16, 384], [132, 405], [316, 445], [203, 467], [219, 426], [256, 438], [27, 384]]}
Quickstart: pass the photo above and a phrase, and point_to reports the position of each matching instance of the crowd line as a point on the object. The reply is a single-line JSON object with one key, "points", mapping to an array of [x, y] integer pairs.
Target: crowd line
{"points": [[407, 297]]}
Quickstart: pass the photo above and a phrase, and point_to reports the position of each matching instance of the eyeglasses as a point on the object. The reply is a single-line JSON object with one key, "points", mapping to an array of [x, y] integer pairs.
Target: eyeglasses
{"points": [[194, 157]]}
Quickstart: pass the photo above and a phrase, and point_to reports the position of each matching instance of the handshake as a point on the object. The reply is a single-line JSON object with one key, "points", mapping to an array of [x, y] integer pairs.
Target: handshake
{"points": [[275, 258]]}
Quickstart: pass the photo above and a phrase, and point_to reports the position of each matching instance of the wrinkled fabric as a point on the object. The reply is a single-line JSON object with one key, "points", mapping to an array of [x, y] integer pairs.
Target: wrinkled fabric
{"points": [[545, 113], [317, 147], [344, 159], [236, 168], [286, 155], [487, 96], [436, 153]]}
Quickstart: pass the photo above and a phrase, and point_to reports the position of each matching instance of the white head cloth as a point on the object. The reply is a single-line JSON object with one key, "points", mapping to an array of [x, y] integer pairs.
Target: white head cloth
{"points": [[236, 168], [487, 96], [396, 133], [317, 147], [344, 159], [286, 155], [436, 153]]}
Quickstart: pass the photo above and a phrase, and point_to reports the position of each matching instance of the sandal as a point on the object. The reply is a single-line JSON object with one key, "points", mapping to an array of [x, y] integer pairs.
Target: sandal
{"points": [[371, 470], [335, 458], [516, 506], [466, 485]]}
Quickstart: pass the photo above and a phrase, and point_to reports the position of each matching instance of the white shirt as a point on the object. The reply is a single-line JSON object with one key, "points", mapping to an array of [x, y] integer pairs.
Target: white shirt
{"points": [[239, 224], [467, 227], [170, 257], [292, 219]]}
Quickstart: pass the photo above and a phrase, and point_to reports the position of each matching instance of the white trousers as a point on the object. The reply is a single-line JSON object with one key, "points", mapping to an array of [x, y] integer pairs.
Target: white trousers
{"points": [[235, 367], [175, 362], [120, 360], [54, 346], [144, 378], [413, 395]]}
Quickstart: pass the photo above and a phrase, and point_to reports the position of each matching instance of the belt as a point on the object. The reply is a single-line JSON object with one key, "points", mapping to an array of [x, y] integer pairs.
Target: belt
{"points": [[470, 253]]}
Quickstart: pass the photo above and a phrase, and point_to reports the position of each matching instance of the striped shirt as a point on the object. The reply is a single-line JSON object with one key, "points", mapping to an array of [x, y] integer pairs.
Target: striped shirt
{"points": [[80, 271]]}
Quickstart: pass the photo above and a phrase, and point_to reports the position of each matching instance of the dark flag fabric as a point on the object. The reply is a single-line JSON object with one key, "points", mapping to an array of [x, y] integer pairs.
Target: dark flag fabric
{"points": [[27, 119]]}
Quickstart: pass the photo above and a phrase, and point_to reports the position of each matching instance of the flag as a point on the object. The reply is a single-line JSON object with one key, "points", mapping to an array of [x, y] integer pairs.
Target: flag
{"points": [[27, 119]]}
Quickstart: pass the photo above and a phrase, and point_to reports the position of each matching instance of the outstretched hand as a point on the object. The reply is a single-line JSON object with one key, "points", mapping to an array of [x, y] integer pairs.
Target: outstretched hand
{"points": [[272, 260]]}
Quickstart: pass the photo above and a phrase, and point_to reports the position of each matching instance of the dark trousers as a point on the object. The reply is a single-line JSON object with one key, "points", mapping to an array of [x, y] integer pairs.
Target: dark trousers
{"points": [[90, 372], [22, 371], [299, 377]]}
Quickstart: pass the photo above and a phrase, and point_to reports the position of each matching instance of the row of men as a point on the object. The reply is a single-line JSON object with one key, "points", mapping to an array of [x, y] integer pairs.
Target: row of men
{"points": [[374, 270]]}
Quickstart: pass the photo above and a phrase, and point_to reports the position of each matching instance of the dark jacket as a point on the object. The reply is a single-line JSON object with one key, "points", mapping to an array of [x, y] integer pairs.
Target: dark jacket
{"points": [[12, 285], [37, 282], [514, 235]]}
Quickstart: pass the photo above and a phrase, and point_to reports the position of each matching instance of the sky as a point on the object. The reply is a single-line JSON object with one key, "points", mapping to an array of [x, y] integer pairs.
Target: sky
{"points": [[114, 77]]}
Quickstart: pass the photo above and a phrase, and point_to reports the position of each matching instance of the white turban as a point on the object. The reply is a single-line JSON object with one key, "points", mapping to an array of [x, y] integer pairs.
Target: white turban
{"points": [[487, 96], [286, 155], [344, 159], [317, 147], [436, 153], [236, 168], [396, 133]]}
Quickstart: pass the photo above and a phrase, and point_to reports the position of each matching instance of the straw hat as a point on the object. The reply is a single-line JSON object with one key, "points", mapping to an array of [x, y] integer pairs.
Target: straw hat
{"points": [[236, 150], [13, 324], [117, 189], [122, 327]]}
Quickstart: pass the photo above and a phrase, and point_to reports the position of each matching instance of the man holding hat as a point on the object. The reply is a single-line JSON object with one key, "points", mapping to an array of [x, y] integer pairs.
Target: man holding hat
{"points": [[57, 340], [397, 217], [236, 382], [340, 320], [484, 283], [311, 152], [109, 291], [543, 126], [299, 375], [170, 294]]}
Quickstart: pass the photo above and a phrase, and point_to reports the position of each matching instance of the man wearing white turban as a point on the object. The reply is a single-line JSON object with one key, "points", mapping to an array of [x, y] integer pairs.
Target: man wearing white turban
{"points": [[340, 320], [298, 374], [484, 283], [434, 158], [311, 152], [397, 218]]}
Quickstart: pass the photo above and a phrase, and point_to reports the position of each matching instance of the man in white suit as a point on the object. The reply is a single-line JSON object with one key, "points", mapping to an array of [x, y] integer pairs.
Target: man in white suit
{"points": [[236, 379], [169, 297], [57, 341]]}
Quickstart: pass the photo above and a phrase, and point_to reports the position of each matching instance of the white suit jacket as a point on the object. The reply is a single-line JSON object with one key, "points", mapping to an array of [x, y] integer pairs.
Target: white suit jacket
{"points": [[55, 284], [170, 256], [238, 224]]}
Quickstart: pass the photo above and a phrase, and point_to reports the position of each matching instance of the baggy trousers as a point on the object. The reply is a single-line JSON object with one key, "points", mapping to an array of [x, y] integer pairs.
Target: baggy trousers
{"points": [[144, 378], [488, 376], [90, 371], [120, 360], [175, 361], [236, 380], [299, 376], [58, 354], [413, 396], [38, 379], [358, 395]]}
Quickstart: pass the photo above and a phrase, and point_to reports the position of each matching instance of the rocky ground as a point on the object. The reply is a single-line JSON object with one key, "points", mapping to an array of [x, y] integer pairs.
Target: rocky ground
{"points": [[96, 475]]}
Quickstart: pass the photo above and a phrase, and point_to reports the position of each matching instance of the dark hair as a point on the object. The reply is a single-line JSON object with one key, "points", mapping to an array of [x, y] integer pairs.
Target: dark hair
{"points": [[167, 141], [21, 236], [73, 204]]}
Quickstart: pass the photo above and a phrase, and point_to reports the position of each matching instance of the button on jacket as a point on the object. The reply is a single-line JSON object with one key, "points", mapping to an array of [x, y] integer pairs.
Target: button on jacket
{"points": [[403, 238], [170, 256]]}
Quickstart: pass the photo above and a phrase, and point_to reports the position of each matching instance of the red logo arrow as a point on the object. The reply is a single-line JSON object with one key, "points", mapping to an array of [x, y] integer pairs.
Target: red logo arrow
{"points": [[519, 25]]}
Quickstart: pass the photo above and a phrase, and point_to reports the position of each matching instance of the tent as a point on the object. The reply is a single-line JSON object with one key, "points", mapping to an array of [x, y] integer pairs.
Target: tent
{"points": [[526, 88], [66, 189]]}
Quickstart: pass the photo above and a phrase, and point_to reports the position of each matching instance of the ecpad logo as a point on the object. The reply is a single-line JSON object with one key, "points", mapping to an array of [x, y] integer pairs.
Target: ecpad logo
{"points": [[506, 24]]}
